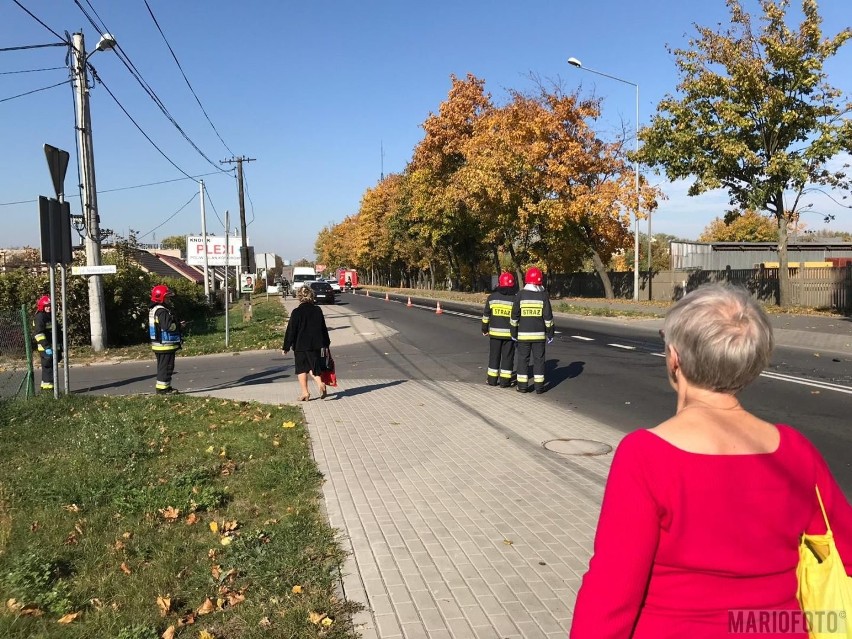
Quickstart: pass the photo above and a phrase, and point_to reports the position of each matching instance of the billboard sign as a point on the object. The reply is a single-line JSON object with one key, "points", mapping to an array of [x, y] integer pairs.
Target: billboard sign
{"points": [[215, 250]]}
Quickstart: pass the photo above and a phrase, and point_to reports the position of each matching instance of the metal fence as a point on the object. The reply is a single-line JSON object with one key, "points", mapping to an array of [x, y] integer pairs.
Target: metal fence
{"points": [[16, 363], [823, 288]]}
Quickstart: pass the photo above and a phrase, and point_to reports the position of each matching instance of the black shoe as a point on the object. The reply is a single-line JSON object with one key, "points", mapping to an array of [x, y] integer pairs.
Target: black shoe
{"points": [[523, 389], [166, 391], [490, 383], [540, 391]]}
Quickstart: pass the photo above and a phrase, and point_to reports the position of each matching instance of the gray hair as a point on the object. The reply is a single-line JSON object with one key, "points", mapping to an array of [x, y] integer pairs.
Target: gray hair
{"points": [[723, 338], [305, 294]]}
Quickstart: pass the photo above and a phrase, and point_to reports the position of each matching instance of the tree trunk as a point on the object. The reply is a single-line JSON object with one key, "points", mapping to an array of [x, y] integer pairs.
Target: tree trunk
{"points": [[496, 259], [518, 273], [784, 288], [600, 269]]}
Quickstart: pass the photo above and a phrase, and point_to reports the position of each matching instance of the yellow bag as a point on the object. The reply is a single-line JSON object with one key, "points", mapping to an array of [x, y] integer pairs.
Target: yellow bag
{"points": [[825, 590]]}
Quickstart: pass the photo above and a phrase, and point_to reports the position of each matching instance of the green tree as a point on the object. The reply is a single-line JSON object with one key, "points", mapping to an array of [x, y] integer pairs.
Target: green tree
{"points": [[748, 226], [177, 242], [756, 116]]}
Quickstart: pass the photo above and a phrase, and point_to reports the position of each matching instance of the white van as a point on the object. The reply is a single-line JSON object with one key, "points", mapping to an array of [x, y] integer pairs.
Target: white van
{"points": [[302, 274]]}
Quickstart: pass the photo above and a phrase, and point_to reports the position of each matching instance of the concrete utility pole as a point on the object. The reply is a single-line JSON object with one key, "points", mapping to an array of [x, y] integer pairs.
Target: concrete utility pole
{"points": [[92, 240], [244, 256]]}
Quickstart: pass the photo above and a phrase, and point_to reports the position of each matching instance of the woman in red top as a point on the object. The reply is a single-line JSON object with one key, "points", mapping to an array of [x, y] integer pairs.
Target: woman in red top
{"points": [[702, 515]]}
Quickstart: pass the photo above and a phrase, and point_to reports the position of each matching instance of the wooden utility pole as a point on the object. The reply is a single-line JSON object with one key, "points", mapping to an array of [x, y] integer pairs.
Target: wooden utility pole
{"points": [[244, 255]]}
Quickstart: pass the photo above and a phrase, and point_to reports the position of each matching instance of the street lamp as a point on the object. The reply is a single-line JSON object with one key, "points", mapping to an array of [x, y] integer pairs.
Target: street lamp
{"points": [[574, 62], [97, 310]]}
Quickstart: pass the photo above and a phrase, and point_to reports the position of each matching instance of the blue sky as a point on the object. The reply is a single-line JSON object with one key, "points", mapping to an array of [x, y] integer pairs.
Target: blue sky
{"points": [[314, 91]]}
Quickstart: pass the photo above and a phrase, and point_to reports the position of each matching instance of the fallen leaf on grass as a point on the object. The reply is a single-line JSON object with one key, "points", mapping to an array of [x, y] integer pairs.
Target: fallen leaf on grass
{"points": [[170, 514], [327, 621], [71, 508], [71, 616], [165, 605], [216, 572], [265, 623], [316, 617], [297, 590], [235, 598], [206, 608], [191, 519], [206, 634], [125, 568], [225, 541], [288, 425], [214, 526], [13, 604], [169, 633], [230, 525]]}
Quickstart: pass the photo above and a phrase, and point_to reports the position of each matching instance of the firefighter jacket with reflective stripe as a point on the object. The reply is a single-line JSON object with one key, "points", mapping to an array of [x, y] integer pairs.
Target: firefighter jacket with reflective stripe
{"points": [[42, 332], [498, 313], [532, 317], [163, 329]]}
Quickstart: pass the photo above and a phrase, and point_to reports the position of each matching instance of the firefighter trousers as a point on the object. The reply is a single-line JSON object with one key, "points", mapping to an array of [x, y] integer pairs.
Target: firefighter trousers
{"points": [[534, 351], [46, 371], [165, 369], [501, 362]]}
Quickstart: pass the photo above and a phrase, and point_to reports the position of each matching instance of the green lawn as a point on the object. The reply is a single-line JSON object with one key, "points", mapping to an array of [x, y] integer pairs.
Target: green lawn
{"points": [[128, 517], [264, 331]]}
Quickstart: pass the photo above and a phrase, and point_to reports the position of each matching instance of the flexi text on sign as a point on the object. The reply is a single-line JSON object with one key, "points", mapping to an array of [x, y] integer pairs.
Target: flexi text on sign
{"points": [[215, 250]]}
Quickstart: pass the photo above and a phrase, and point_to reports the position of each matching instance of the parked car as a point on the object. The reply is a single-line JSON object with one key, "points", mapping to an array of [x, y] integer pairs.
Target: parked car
{"points": [[333, 284], [322, 292]]}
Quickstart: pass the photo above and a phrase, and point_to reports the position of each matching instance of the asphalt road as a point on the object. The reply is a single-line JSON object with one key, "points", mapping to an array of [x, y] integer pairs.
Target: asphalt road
{"points": [[610, 371]]}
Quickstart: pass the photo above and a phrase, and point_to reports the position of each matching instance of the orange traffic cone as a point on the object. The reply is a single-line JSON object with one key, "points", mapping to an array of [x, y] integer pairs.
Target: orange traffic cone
{"points": [[387, 299], [409, 303], [438, 310]]}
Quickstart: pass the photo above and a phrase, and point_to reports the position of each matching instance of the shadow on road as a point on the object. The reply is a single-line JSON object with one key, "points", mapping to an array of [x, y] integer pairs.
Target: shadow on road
{"points": [[555, 375], [351, 392], [264, 377], [115, 384]]}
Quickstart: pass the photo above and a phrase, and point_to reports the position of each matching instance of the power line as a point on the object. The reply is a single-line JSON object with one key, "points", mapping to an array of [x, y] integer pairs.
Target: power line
{"points": [[157, 24], [35, 46], [39, 21], [251, 202], [31, 70], [136, 124], [212, 206], [125, 188], [21, 95], [168, 219], [128, 63]]}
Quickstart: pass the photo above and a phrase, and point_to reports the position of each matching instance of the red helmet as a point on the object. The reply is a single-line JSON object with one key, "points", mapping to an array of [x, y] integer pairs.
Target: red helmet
{"points": [[533, 276], [506, 280], [43, 301], [159, 293]]}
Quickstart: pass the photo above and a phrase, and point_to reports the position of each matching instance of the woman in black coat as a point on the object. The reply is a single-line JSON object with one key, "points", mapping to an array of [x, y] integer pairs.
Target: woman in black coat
{"points": [[307, 336]]}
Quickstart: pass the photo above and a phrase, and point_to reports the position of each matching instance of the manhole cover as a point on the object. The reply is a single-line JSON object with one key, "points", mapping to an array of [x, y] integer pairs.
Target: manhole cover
{"points": [[584, 447]]}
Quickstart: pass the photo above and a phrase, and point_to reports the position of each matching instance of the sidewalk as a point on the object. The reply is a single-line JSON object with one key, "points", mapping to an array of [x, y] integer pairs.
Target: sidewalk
{"points": [[460, 524]]}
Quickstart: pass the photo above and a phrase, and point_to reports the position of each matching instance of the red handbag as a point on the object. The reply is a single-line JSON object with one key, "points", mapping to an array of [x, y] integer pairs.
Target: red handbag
{"points": [[327, 374]]}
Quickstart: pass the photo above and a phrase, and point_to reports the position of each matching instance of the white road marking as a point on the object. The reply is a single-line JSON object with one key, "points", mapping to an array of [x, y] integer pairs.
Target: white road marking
{"points": [[838, 388], [625, 347], [585, 339]]}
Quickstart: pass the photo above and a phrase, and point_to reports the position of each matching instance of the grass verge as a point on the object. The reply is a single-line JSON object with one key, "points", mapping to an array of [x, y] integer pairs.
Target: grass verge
{"points": [[134, 517], [264, 331]]}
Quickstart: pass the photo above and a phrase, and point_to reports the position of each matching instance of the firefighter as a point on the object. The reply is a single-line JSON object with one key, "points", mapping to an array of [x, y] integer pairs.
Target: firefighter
{"points": [[44, 341], [532, 326], [495, 324], [164, 329]]}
